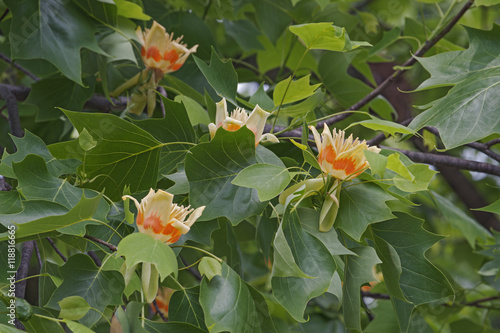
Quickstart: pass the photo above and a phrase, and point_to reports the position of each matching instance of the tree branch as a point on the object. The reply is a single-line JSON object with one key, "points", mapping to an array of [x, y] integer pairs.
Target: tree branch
{"points": [[63, 257], [158, 311], [19, 67], [452, 161], [100, 241]]}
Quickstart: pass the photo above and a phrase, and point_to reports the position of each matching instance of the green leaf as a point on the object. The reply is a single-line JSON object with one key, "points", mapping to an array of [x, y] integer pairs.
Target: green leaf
{"points": [[378, 124], [209, 267], [184, 306], [423, 175], [269, 180], [272, 17], [124, 154], [73, 222], [10, 202], [35, 183], [232, 305], [77, 328], [288, 91], [358, 271], [395, 164], [325, 36], [58, 92], [10, 329], [493, 208], [221, 76], [378, 162], [410, 241], [360, 206], [138, 248], [73, 307], [468, 227], [42, 325], [81, 277], [244, 33], [304, 107], [312, 258], [86, 141], [131, 10], [31, 144], [197, 114], [52, 32], [210, 168], [468, 112], [174, 127], [261, 98]]}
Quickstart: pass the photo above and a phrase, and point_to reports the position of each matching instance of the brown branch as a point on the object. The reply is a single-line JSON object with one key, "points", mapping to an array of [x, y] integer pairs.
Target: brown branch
{"points": [[100, 241], [191, 270], [12, 109], [38, 257], [19, 67], [22, 271], [435, 159], [63, 257], [158, 311], [94, 257]]}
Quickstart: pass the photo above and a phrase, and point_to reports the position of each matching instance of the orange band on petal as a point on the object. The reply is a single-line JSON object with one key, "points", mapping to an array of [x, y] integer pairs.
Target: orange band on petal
{"points": [[176, 67], [346, 164], [171, 56], [154, 53], [233, 127]]}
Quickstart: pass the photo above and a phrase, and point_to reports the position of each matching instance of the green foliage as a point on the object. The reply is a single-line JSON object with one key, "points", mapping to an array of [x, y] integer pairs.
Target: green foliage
{"points": [[277, 242]]}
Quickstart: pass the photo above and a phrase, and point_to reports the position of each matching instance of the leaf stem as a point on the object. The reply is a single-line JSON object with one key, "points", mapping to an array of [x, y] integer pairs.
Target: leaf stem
{"points": [[201, 250]]}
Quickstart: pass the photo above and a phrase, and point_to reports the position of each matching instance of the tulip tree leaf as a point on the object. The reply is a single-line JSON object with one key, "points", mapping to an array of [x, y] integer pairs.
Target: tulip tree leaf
{"points": [[174, 127], [99, 288], [31, 144], [288, 91], [230, 304], [410, 241], [493, 208], [269, 180], [58, 92], [134, 157], [33, 210], [209, 267], [470, 110], [73, 222], [358, 270], [10, 202], [210, 168], [139, 247], [221, 76], [361, 205], [52, 32], [313, 258], [325, 36], [184, 306]]}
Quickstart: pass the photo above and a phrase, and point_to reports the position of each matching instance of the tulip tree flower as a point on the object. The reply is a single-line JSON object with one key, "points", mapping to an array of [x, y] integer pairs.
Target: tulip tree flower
{"points": [[339, 157], [159, 217], [160, 52], [343, 159], [239, 118]]}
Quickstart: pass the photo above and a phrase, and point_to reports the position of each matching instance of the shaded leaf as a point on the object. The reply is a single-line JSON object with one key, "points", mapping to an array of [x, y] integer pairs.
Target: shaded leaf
{"points": [[81, 277], [288, 91], [184, 306], [73, 308], [360, 206], [231, 305], [410, 241], [221, 76], [358, 271], [65, 28], [312, 258], [210, 168]]}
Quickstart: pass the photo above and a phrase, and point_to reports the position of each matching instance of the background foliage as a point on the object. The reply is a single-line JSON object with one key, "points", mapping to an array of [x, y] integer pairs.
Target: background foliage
{"points": [[414, 246]]}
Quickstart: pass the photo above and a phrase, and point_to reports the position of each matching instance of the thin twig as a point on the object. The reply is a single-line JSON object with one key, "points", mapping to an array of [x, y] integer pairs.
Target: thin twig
{"points": [[13, 111], [19, 67], [22, 271], [38, 257], [100, 241], [452, 161], [162, 91], [492, 142], [56, 249], [191, 269], [158, 311]]}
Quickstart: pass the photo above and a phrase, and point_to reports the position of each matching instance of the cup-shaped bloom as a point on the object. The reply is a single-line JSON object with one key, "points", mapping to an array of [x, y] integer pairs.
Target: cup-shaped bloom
{"points": [[159, 217], [160, 51], [341, 158], [239, 118]]}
